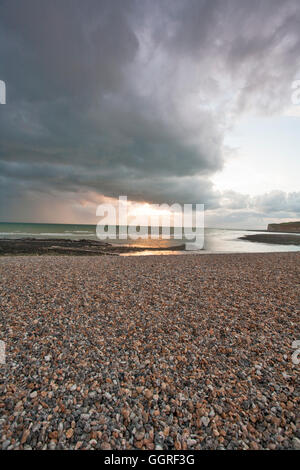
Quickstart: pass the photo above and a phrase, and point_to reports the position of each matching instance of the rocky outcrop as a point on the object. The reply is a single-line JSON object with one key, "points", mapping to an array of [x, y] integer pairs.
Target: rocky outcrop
{"points": [[54, 246], [293, 227], [273, 239]]}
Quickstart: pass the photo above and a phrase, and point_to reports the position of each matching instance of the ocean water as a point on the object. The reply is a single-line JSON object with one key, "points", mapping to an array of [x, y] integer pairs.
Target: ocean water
{"points": [[215, 240]]}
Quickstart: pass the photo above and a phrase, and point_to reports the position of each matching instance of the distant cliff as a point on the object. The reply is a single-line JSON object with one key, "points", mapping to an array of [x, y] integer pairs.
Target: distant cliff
{"points": [[285, 227]]}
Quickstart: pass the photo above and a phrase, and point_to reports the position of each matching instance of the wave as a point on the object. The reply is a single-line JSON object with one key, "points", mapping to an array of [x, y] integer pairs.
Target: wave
{"points": [[60, 234], [17, 233], [80, 231], [45, 234]]}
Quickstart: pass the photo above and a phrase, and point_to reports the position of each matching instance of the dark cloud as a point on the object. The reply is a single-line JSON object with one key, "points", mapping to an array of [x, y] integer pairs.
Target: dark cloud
{"points": [[65, 48], [130, 97]]}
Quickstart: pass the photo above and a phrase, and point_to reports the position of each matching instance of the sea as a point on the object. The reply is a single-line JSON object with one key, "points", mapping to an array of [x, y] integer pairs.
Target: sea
{"points": [[216, 240]]}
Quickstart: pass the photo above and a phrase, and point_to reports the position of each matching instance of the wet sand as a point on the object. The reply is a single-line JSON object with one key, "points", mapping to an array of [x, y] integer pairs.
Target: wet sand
{"points": [[173, 352]]}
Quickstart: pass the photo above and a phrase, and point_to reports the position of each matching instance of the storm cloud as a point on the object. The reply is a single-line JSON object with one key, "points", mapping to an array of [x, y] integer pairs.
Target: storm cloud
{"points": [[130, 97]]}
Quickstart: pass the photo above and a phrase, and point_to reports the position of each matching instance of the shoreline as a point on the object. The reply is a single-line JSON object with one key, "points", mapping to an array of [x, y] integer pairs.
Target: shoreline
{"points": [[86, 247]]}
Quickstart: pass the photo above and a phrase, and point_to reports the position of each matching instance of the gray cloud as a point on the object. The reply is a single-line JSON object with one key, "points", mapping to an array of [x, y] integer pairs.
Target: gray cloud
{"points": [[245, 211], [271, 203], [278, 202], [134, 98]]}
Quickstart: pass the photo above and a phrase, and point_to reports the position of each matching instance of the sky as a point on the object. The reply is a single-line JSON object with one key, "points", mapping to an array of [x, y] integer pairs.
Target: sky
{"points": [[164, 101]]}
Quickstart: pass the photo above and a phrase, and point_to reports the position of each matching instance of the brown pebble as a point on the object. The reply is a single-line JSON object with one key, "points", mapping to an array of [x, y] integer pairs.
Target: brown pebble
{"points": [[25, 436], [69, 433], [105, 446]]}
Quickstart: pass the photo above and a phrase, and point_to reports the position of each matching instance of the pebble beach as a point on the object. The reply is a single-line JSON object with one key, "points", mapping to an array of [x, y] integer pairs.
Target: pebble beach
{"points": [[159, 352]]}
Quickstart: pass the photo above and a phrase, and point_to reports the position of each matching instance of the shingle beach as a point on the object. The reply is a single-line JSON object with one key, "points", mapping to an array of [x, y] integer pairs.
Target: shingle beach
{"points": [[155, 352]]}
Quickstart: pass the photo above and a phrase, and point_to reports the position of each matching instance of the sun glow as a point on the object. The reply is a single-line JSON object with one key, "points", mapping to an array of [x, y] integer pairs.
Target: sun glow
{"points": [[150, 210]]}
